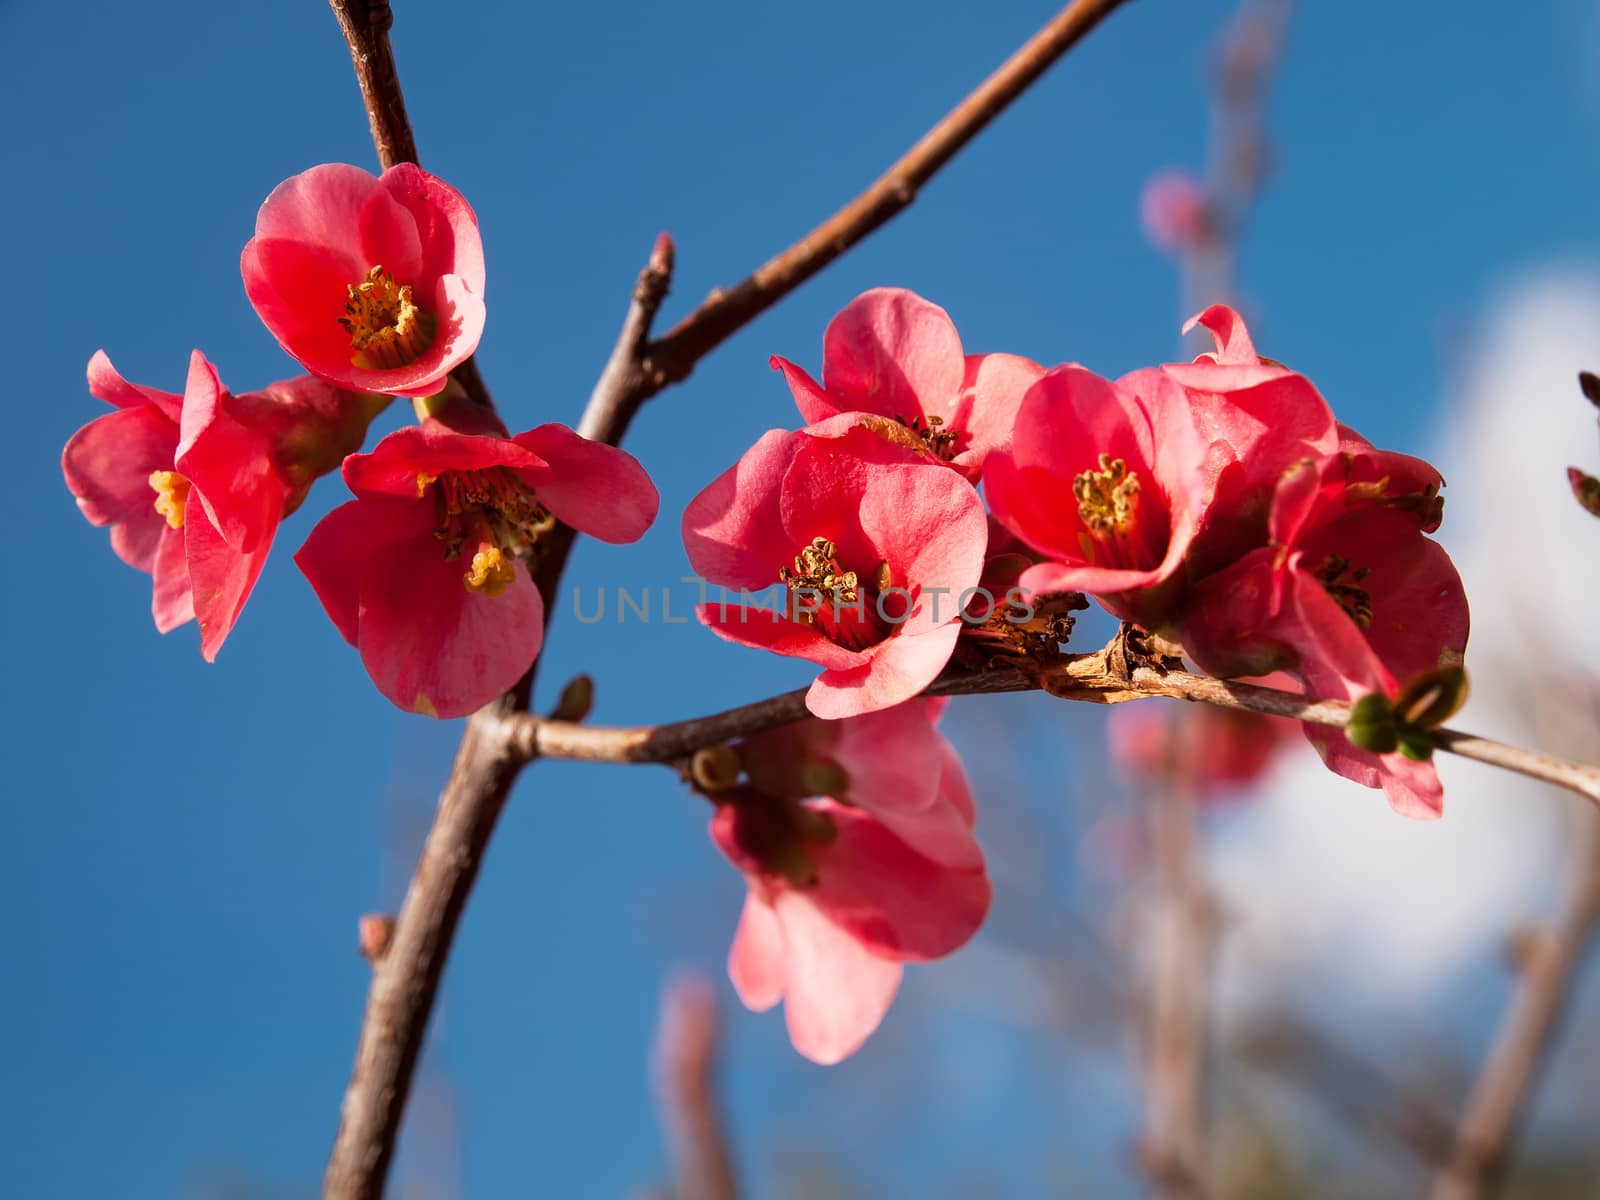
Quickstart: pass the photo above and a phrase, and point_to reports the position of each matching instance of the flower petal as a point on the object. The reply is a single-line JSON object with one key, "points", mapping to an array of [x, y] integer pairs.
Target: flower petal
{"points": [[597, 489], [107, 465], [432, 645], [838, 990], [766, 630], [757, 960], [893, 353], [221, 577]]}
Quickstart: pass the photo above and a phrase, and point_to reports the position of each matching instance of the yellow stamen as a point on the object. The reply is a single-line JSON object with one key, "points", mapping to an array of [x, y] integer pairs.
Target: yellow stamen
{"points": [[423, 480], [1343, 584], [386, 327], [1107, 497], [817, 571], [172, 496], [490, 573]]}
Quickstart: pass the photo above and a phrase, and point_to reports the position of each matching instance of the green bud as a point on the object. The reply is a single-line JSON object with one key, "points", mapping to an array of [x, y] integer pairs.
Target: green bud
{"points": [[577, 699], [1432, 698], [1586, 488], [715, 768], [1371, 725]]}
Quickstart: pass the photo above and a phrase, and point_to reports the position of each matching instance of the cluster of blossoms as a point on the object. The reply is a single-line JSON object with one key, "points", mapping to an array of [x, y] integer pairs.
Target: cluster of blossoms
{"points": [[375, 286], [1216, 507]]}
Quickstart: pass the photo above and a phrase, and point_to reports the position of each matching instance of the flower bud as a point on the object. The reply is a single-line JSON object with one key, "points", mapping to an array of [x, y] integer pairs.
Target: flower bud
{"points": [[1371, 725], [1432, 698], [715, 768]]}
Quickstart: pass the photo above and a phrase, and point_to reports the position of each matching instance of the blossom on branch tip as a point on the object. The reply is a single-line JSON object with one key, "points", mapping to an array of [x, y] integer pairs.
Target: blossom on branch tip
{"points": [[893, 355], [194, 486], [426, 571], [875, 554], [372, 283], [1257, 419], [1350, 596]]}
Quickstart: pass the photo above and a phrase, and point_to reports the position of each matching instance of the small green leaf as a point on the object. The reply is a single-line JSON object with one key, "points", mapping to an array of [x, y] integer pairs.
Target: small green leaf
{"points": [[1416, 744]]}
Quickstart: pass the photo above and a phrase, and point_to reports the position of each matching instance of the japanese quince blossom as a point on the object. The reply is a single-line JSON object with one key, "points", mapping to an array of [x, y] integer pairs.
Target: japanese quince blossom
{"points": [[194, 486], [845, 887], [875, 552], [425, 572], [1106, 480], [372, 283], [891, 354], [1257, 419], [1349, 595]]}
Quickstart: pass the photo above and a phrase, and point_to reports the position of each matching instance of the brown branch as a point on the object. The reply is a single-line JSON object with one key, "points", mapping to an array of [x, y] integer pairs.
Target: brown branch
{"points": [[1082, 677], [670, 358], [1548, 969], [1182, 935], [406, 979], [365, 25], [686, 1052]]}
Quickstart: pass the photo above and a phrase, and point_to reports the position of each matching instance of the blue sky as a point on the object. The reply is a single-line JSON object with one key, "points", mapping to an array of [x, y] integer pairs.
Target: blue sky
{"points": [[191, 844]]}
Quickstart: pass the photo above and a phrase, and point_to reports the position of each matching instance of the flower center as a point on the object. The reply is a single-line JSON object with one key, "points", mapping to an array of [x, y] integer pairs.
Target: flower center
{"points": [[494, 514], [1343, 584], [817, 579], [852, 611], [940, 442], [1107, 498], [172, 496], [386, 327]]}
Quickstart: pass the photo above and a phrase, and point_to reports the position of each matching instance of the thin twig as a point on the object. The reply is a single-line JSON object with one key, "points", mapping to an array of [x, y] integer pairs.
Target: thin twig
{"points": [[1082, 677], [365, 25], [686, 1052], [1181, 936], [407, 978], [671, 358], [1548, 966]]}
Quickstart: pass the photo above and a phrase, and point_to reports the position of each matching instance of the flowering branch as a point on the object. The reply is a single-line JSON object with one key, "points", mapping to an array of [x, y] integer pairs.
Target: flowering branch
{"points": [[365, 25], [1548, 966], [406, 979], [1088, 677]]}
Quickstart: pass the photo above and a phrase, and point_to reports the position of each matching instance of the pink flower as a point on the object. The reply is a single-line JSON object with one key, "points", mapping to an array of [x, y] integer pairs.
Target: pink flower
{"points": [[425, 572], [892, 354], [374, 284], [841, 894], [1350, 596], [876, 554], [1175, 211], [1107, 481], [893, 764], [194, 486], [1258, 419]]}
